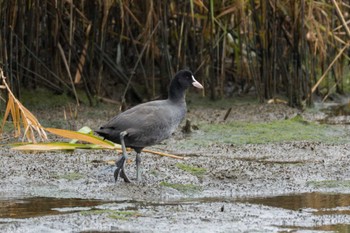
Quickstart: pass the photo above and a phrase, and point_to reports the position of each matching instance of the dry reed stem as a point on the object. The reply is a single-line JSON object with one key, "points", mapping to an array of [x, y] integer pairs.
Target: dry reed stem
{"points": [[342, 19], [193, 34], [65, 62], [328, 69], [82, 59], [20, 113]]}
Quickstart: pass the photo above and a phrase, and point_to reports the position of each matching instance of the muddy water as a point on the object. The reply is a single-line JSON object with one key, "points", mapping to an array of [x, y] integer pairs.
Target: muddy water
{"points": [[41, 206], [314, 202], [318, 203]]}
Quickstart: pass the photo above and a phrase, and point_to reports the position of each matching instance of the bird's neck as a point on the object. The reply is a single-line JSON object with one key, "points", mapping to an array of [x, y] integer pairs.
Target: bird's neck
{"points": [[176, 92]]}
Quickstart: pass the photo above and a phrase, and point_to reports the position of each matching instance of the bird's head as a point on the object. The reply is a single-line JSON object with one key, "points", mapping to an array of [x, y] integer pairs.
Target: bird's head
{"points": [[186, 79]]}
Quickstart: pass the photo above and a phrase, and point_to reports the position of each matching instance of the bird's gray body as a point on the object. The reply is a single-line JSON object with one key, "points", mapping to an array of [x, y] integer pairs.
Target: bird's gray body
{"points": [[159, 119]]}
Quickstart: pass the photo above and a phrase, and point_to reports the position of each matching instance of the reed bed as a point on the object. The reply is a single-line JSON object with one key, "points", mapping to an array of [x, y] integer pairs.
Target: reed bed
{"points": [[127, 50]]}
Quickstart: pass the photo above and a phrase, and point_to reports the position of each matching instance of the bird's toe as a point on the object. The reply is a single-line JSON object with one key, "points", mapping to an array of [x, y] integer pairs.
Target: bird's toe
{"points": [[116, 173], [124, 176]]}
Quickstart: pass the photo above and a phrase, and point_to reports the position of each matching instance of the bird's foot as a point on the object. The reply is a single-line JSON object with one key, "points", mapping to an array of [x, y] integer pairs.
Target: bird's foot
{"points": [[124, 176], [120, 171]]}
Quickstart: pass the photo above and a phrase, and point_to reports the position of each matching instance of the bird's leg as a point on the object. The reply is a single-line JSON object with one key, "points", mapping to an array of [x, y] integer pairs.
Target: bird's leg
{"points": [[138, 168], [121, 162]]}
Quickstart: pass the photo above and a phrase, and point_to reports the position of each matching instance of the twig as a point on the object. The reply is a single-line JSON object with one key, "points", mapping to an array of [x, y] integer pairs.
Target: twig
{"points": [[48, 83], [328, 69], [227, 113], [139, 59], [155, 153], [340, 15], [42, 63], [82, 56], [108, 100], [68, 71], [164, 154], [111, 64]]}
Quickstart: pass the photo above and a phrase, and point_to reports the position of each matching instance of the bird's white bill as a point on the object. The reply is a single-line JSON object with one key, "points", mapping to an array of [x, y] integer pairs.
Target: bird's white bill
{"points": [[196, 83]]}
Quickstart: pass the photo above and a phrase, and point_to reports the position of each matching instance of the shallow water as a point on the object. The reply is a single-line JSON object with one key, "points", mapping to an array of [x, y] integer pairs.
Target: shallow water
{"points": [[318, 203], [42, 206], [314, 203]]}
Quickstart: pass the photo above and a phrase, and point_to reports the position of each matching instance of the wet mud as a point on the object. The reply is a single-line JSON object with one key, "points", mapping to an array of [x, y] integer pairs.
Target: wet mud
{"points": [[278, 186]]}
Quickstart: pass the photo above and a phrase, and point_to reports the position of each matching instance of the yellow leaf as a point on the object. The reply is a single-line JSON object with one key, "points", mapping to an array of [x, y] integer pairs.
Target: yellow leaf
{"points": [[54, 146], [81, 136], [20, 113], [16, 119], [7, 111], [84, 130]]}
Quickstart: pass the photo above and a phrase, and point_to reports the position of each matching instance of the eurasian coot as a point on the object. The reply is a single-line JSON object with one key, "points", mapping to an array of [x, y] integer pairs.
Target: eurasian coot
{"points": [[149, 123]]}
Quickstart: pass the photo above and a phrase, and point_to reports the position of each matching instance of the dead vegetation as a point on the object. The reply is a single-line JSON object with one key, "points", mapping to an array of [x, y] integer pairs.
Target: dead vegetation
{"points": [[127, 50]]}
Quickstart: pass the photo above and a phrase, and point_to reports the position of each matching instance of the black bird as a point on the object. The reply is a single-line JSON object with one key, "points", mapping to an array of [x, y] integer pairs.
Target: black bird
{"points": [[149, 123]]}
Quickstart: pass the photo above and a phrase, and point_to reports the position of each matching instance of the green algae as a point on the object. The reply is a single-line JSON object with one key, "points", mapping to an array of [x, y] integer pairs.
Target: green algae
{"points": [[114, 214], [196, 171], [41, 98], [330, 184], [184, 188], [71, 176], [197, 101], [288, 130]]}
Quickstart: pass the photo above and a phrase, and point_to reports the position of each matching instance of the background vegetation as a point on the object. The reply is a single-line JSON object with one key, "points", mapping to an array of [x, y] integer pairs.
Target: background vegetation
{"points": [[128, 50]]}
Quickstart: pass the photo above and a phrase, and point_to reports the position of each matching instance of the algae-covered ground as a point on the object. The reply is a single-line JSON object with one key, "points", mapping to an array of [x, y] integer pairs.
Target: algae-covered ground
{"points": [[265, 168]]}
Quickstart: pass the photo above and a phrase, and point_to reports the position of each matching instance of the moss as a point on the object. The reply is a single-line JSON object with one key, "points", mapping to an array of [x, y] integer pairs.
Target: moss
{"points": [[114, 214], [330, 184], [295, 129], [194, 100], [91, 212], [123, 215], [196, 171], [154, 172], [41, 98], [184, 188]]}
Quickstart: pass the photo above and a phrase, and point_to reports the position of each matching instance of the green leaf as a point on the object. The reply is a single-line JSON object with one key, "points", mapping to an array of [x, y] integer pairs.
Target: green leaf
{"points": [[82, 137], [84, 130]]}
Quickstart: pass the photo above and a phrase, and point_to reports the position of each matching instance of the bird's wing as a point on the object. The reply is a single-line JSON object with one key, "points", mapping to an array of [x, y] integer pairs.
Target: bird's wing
{"points": [[142, 115], [145, 124]]}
